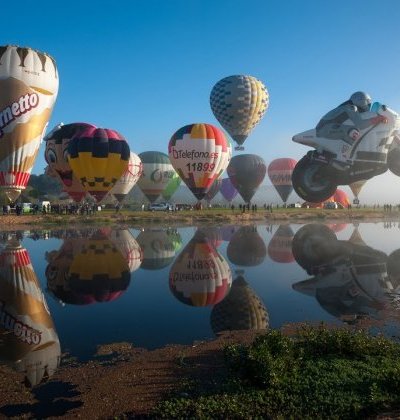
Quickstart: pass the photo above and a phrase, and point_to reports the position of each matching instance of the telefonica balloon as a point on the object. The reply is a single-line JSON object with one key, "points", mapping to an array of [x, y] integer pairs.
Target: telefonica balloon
{"points": [[238, 103], [98, 158], [128, 179], [28, 91], [199, 153], [200, 276], [280, 174], [246, 173], [157, 174], [56, 155], [29, 342]]}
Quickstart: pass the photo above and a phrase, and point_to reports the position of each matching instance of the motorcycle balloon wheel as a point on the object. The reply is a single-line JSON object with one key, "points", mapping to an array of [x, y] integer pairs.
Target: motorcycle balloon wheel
{"points": [[311, 182]]}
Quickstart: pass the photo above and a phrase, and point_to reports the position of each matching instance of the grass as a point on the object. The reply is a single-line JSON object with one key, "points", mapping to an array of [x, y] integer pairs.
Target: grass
{"points": [[320, 373]]}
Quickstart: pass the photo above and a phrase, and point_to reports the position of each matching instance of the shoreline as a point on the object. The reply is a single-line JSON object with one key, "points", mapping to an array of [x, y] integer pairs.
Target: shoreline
{"points": [[140, 219]]}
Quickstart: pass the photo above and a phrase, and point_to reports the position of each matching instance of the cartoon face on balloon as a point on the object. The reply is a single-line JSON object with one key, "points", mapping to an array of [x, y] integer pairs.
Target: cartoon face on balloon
{"points": [[56, 153]]}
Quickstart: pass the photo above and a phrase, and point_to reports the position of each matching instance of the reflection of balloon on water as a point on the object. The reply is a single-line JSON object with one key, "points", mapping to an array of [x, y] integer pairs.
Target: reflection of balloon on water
{"points": [[212, 234], [246, 247], [242, 309], [128, 179], [280, 174], [246, 173], [214, 190], [172, 186], [128, 246], [56, 155], [227, 231], [280, 246], [238, 103], [337, 227], [29, 87], [157, 174], [28, 340], [200, 276], [159, 247], [199, 153], [228, 191], [98, 157], [88, 270]]}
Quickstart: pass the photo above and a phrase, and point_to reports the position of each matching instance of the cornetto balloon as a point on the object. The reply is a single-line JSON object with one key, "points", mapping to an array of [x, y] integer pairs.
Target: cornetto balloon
{"points": [[28, 91], [199, 153]]}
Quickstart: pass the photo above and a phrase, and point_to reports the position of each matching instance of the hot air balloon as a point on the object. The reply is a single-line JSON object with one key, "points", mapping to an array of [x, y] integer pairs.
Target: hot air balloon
{"points": [[280, 246], [28, 340], [98, 158], [242, 309], [128, 179], [157, 174], [238, 103], [356, 188], [172, 186], [200, 276], [56, 155], [246, 173], [228, 191], [280, 174], [29, 87], [213, 191], [159, 247], [246, 247], [88, 270], [341, 198], [199, 153]]}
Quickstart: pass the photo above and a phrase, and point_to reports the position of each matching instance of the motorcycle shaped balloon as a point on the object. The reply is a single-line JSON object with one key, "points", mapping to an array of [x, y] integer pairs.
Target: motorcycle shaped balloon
{"points": [[336, 162], [29, 87], [199, 153], [238, 103], [56, 156], [98, 158]]}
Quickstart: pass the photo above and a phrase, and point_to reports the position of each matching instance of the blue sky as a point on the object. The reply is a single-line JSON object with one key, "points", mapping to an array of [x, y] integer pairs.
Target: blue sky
{"points": [[146, 68]]}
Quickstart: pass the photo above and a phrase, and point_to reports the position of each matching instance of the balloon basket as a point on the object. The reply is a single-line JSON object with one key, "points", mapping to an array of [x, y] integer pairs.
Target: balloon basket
{"points": [[241, 148]]}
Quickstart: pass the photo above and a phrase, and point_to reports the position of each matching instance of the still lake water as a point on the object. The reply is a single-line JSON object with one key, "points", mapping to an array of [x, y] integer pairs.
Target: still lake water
{"points": [[70, 291]]}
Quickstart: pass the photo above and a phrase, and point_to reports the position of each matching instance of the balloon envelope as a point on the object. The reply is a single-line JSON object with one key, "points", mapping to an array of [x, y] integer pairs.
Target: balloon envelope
{"points": [[341, 198], [157, 174], [246, 247], [280, 174], [213, 191], [356, 187], [172, 186], [98, 157], [199, 153], [28, 90], [128, 179], [200, 276], [228, 191], [246, 173], [238, 103]]}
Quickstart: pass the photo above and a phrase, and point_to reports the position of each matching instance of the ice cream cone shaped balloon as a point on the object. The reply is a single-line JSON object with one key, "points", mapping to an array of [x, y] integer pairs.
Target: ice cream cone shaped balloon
{"points": [[28, 340], [28, 90]]}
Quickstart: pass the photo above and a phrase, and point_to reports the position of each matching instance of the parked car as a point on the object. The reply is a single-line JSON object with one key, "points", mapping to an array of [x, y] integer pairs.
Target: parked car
{"points": [[27, 208], [160, 207], [330, 205], [294, 205]]}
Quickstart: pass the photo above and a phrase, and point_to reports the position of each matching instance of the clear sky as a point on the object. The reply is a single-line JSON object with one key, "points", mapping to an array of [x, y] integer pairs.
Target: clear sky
{"points": [[146, 67]]}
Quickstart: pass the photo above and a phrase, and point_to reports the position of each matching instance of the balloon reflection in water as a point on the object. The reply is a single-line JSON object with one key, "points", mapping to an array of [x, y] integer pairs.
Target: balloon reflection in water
{"points": [[28, 340], [242, 309], [212, 234], [87, 270], [128, 246], [280, 247], [350, 280], [246, 247], [159, 247], [200, 276]]}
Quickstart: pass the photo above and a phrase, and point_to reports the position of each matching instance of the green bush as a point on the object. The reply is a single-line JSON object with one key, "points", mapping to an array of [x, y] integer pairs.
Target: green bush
{"points": [[319, 373]]}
